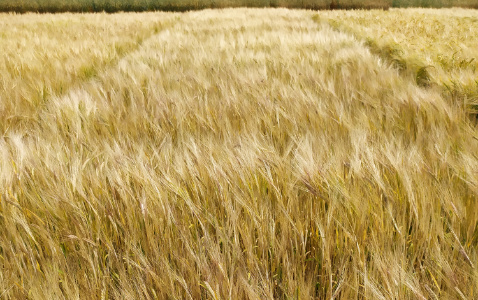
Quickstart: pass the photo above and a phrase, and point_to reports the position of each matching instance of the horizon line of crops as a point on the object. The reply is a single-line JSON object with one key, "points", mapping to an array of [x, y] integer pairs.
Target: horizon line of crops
{"points": [[46, 6]]}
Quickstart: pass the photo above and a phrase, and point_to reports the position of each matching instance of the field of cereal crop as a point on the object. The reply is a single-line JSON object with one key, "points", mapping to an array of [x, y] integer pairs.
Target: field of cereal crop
{"points": [[239, 154]]}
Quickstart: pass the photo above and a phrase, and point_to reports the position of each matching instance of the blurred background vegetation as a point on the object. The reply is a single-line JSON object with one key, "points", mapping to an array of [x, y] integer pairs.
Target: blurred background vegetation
{"points": [[184, 5], [435, 3]]}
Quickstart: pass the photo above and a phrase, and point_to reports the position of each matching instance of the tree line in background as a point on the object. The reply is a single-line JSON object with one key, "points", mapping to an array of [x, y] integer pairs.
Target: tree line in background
{"points": [[184, 5]]}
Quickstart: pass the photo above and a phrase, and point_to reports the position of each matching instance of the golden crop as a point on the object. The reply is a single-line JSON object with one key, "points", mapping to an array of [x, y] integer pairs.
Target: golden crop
{"points": [[45, 55], [438, 46], [231, 154]]}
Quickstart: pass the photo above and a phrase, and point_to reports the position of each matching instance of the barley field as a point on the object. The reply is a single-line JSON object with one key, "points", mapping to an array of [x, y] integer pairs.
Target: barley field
{"points": [[435, 47], [238, 154]]}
